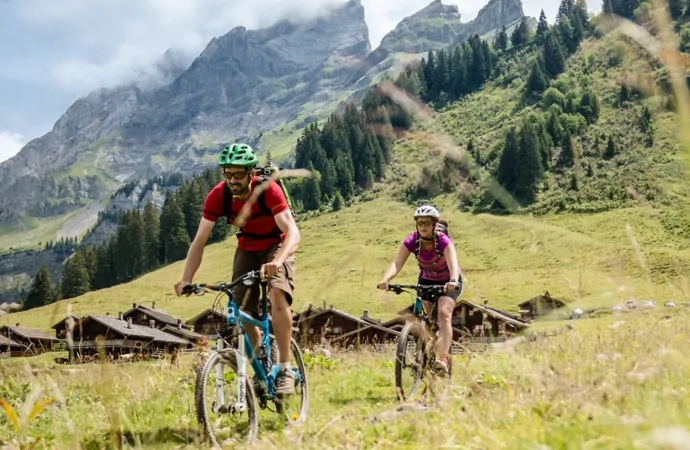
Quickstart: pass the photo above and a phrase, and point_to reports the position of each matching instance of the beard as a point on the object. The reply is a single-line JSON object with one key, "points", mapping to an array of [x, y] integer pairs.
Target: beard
{"points": [[238, 189]]}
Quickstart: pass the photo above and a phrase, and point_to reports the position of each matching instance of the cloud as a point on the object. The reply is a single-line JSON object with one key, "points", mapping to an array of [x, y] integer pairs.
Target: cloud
{"points": [[10, 144]]}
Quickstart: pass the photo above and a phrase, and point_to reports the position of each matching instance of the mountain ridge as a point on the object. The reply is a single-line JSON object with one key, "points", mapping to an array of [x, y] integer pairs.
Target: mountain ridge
{"points": [[243, 84]]}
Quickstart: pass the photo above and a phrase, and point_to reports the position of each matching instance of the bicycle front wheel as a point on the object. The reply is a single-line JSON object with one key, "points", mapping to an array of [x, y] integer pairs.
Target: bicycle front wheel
{"points": [[223, 420], [410, 355]]}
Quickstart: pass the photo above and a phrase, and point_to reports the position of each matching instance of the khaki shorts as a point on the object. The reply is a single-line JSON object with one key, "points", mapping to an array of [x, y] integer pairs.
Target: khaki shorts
{"points": [[248, 297]]}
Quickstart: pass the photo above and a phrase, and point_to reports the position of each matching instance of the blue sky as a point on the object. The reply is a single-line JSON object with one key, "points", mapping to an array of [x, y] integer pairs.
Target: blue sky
{"points": [[53, 52]]}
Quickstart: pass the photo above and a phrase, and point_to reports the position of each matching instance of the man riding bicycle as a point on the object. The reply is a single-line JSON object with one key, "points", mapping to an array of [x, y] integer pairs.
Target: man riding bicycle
{"points": [[267, 242], [438, 264]]}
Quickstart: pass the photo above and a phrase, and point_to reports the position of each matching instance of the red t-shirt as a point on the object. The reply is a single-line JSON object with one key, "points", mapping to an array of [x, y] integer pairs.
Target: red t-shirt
{"points": [[256, 222]]}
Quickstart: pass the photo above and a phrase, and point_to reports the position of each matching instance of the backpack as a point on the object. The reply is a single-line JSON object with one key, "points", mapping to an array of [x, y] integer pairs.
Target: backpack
{"points": [[264, 175], [441, 227]]}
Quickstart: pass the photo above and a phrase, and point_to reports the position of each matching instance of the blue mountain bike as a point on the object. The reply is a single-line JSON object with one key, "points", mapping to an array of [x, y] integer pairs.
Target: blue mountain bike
{"points": [[232, 350]]}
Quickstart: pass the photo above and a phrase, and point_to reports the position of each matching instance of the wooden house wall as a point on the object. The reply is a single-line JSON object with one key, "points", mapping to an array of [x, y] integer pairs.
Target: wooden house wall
{"points": [[32, 346], [479, 323], [367, 336], [209, 323], [328, 324]]}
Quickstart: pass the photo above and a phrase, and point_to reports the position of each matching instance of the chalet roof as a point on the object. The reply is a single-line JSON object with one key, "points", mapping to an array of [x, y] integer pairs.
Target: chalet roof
{"points": [[541, 298], [189, 334], [486, 309], [9, 342], [121, 326], [159, 315], [315, 312], [75, 318], [28, 333], [495, 313], [216, 312]]}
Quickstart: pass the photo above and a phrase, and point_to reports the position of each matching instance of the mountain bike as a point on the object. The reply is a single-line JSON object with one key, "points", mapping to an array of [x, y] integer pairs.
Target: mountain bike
{"points": [[421, 335], [232, 349]]}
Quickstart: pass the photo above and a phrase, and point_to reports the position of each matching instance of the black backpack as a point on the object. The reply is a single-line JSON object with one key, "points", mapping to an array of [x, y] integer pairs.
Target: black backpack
{"points": [[264, 175]]}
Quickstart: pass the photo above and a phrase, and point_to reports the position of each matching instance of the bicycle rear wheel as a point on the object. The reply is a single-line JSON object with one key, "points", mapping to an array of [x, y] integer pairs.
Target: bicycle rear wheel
{"points": [[206, 398], [410, 354], [295, 407]]}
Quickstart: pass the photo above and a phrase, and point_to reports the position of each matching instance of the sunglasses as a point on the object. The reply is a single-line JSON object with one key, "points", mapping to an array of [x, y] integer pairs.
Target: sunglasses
{"points": [[424, 223], [229, 175]]}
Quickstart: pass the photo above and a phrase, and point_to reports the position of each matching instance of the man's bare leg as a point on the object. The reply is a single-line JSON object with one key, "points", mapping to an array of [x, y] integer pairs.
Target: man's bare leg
{"points": [[281, 316]]}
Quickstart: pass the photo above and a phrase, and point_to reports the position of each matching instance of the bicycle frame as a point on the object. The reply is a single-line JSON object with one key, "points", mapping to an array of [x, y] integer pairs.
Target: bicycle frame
{"points": [[418, 305], [236, 318]]}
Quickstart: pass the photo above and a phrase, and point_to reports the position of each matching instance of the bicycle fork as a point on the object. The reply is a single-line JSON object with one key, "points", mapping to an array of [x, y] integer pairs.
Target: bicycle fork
{"points": [[241, 404]]}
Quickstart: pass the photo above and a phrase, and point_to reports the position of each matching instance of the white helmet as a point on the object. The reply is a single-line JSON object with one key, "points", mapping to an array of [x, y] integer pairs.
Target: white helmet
{"points": [[427, 211]]}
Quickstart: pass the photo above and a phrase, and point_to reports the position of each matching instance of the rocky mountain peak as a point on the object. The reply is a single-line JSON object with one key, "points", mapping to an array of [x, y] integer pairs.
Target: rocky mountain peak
{"points": [[436, 10], [496, 13]]}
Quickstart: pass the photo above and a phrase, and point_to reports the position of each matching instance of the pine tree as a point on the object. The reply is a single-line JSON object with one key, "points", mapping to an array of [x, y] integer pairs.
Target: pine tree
{"points": [[41, 291], [174, 237], [192, 203], [536, 83], [528, 167], [542, 27], [311, 192], [554, 59], [500, 43], [151, 252], [607, 7], [506, 173], [75, 277], [520, 34], [567, 156], [337, 201]]}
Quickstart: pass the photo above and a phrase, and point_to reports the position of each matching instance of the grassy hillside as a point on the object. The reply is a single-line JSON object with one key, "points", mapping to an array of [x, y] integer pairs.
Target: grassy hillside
{"points": [[586, 259]]}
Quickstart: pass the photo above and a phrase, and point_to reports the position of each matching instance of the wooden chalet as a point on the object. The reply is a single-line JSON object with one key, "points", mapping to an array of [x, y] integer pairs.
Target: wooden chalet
{"points": [[117, 337], [471, 322], [33, 340], [371, 334], [316, 325], [9, 348], [485, 324], [539, 306], [65, 326], [142, 315], [209, 322]]}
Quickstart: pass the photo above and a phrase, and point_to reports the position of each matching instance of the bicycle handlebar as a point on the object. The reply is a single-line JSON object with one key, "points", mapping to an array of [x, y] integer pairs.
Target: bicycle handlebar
{"points": [[200, 288], [400, 288]]}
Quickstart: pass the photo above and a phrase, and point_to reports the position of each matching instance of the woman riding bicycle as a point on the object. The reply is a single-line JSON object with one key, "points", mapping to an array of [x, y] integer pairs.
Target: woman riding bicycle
{"points": [[438, 264]]}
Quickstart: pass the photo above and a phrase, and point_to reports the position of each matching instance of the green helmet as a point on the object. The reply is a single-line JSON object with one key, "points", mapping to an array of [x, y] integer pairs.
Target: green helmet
{"points": [[238, 154]]}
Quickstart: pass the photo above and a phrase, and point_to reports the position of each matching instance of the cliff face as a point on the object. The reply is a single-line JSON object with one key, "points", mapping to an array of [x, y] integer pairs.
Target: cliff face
{"points": [[243, 83]]}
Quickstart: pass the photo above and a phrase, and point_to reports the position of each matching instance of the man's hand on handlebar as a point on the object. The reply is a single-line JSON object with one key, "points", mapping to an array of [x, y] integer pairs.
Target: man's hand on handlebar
{"points": [[382, 286], [180, 288]]}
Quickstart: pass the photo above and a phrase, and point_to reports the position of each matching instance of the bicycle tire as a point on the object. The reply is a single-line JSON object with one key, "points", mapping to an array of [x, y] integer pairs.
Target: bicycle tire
{"points": [[200, 391], [401, 355], [304, 386]]}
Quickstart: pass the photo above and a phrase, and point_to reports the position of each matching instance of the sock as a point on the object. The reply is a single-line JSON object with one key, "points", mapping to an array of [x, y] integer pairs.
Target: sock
{"points": [[284, 366]]}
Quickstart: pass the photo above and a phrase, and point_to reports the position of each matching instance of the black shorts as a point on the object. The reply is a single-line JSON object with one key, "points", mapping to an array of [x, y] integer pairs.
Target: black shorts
{"points": [[432, 297]]}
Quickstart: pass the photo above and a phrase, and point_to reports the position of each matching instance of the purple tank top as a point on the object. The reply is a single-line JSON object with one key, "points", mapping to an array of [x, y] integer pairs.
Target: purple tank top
{"points": [[431, 266]]}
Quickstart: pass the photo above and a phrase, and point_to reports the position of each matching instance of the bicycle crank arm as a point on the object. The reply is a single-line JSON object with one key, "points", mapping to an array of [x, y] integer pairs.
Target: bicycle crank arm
{"points": [[231, 408]]}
